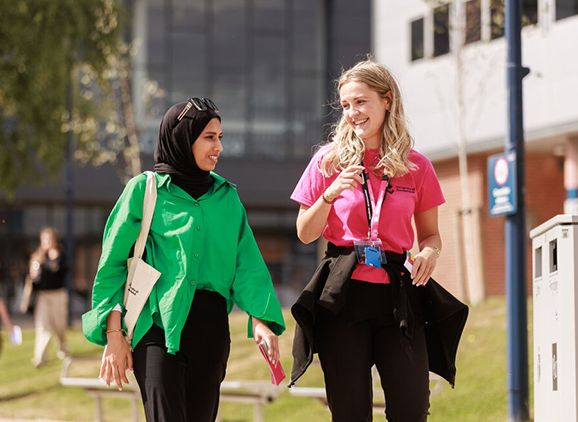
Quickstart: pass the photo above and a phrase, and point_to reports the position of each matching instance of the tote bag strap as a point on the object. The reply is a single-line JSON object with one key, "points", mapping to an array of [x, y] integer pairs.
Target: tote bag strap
{"points": [[149, 201]]}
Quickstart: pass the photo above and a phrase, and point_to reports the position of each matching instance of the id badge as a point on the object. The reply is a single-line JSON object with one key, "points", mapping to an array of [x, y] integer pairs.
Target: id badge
{"points": [[368, 252]]}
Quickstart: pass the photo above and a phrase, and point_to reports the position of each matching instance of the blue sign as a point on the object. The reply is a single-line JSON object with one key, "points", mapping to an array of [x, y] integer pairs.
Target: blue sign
{"points": [[502, 184]]}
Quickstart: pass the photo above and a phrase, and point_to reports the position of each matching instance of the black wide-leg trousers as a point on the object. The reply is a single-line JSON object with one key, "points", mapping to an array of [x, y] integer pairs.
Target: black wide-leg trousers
{"points": [[185, 387], [362, 335]]}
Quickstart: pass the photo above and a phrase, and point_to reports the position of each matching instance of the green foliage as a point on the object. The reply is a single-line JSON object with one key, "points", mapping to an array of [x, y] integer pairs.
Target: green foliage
{"points": [[43, 44]]}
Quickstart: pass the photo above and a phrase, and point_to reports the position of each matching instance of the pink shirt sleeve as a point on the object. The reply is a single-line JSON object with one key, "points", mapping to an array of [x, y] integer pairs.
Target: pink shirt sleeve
{"points": [[429, 191], [312, 182]]}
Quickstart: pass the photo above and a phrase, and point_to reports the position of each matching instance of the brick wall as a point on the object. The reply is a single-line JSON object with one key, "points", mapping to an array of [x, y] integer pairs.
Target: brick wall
{"points": [[544, 199]]}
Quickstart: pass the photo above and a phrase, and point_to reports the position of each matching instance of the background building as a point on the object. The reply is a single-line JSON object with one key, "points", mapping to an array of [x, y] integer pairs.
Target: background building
{"points": [[270, 67], [450, 59]]}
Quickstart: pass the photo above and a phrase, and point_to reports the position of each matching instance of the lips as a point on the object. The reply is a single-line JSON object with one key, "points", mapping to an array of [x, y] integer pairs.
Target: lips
{"points": [[214, 158], [359, 123]]}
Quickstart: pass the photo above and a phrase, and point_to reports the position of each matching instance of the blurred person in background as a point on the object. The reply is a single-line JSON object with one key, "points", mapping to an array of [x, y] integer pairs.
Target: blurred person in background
{"points": [[365, 304], [201, 243], [48, 270], [5, 321]]}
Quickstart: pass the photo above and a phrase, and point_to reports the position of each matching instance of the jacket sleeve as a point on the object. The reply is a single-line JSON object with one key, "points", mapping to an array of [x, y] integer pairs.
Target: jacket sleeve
{"points": [[120, 233], [252, 289]]}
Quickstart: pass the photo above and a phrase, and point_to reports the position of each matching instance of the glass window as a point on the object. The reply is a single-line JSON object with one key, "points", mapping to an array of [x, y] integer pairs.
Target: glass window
{"points": [[497, 21], [498, 16], [417, 51], [306, 100], [441, 22], [269, 125], [566, 8], [269, 15], [268, 137], [188, 15], [306, 37], [188, 67], [57, 216], [269, 75], [35, 218], [80, 221], [255, 58], [529, 12], [230, 95], [156, 31], [229, 34], [473, 21]]}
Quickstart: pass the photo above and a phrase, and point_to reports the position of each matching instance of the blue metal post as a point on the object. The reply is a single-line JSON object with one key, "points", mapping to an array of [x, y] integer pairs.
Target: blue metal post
{"points": [[515, 227]]}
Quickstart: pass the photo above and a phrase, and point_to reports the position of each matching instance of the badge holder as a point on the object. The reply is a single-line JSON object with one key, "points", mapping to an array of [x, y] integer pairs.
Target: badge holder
{"points": [[369, 252]]}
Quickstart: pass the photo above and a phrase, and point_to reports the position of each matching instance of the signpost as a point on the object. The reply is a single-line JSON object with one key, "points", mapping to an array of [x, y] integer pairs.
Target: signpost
{"points": [[502, 184]]}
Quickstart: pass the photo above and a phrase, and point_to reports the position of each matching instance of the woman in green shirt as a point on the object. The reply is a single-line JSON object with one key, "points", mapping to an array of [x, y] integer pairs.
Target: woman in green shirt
{"points": [[202, 244]]}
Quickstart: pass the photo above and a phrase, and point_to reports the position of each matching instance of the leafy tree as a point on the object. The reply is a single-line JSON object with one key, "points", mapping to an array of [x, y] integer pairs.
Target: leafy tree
{"points": [[44, 46]]}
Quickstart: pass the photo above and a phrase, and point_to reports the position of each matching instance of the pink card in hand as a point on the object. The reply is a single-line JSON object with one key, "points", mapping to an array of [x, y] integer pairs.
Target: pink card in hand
{"points": [[277, 373]]}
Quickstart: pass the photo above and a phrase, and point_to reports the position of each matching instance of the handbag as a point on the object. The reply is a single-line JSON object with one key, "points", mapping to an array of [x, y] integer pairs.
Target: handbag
{"points": [[141, 276]]}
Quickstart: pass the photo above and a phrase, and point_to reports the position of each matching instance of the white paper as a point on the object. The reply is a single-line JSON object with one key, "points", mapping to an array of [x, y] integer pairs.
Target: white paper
{"points": [[16, 335], [408, 263]]}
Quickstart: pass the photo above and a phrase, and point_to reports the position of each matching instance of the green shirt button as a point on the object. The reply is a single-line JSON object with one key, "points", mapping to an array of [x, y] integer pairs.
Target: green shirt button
{"points": [[198, 228]]}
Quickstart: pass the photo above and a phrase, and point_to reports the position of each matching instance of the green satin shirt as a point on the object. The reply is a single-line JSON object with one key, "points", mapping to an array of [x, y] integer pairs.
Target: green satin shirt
{"points": [[195, 244]]}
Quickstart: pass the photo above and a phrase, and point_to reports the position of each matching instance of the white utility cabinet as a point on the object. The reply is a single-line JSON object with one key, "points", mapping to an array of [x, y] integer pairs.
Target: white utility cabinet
{"points": [[555, 293]]}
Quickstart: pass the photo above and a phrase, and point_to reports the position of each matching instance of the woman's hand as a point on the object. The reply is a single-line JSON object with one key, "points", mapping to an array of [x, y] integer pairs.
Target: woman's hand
{"points": [[423, 266], [349, 178], [312, 220], [116, 359], [35, 268], [263, 334]]}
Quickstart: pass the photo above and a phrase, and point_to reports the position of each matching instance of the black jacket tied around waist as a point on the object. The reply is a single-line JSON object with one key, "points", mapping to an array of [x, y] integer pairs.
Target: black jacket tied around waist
{"points": [[444, 315]]}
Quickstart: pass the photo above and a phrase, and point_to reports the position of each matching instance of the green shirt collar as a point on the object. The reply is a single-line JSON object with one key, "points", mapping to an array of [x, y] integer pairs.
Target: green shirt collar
{"points": [[165, 179]]}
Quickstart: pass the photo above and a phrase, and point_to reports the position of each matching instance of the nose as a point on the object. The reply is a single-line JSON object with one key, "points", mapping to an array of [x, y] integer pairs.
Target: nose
{"points": [[351, 113], [219, 146]]}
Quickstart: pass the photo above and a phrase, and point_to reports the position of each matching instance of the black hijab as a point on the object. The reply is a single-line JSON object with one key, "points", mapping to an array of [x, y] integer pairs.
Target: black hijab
{"points": [[173, 153]]}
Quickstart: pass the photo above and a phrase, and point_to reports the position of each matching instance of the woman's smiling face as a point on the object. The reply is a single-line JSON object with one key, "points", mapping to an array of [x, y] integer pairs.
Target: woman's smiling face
{"points": [[364, 110], [208, 146]]}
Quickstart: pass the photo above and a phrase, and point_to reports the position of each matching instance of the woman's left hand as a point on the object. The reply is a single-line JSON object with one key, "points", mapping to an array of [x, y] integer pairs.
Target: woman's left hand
{"points": [[423, 266], [263, 334]]}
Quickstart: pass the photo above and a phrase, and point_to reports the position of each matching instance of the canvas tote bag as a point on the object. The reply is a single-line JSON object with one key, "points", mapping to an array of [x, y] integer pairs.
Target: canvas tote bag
{"points": [[141, 276]]}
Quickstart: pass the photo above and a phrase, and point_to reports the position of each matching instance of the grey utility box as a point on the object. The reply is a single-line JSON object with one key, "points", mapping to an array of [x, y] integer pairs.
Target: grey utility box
{"points": [[555, 293]]}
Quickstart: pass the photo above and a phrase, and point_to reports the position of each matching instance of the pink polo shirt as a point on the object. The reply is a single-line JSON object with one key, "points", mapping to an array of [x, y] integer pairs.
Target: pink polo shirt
{"points": [[417, 191]]}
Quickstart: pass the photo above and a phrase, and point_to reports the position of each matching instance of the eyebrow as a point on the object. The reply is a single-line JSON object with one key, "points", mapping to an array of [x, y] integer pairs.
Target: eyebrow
{"points": [[213, 133], [356, 98]]}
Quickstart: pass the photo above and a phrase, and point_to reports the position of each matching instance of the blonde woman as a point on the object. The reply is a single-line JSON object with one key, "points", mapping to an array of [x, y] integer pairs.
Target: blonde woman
{"points": [[365, 304], [48, 273]]}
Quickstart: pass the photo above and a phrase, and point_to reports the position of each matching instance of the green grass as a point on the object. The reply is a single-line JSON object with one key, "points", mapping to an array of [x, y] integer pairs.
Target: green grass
{"points": [[480, 393]]}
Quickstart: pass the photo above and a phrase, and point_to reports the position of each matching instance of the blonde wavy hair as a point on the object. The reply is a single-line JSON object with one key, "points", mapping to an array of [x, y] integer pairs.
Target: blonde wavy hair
{"points": [[396, 143]]}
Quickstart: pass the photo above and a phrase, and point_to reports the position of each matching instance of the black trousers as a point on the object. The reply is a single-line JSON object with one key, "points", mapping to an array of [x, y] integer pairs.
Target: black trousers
{"points": [[185, 386], [362, 335]]}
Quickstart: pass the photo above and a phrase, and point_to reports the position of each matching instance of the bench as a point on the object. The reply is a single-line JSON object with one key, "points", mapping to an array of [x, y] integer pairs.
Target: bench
{"points": [[98, 390], [258, 393], [319, 393]]}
